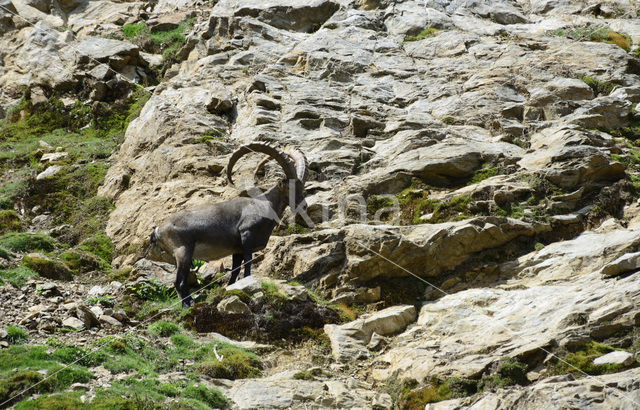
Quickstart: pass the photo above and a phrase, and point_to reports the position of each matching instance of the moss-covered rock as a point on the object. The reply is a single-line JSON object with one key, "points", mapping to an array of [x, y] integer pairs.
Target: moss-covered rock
{"points": [[9, 221], [47, 267]]}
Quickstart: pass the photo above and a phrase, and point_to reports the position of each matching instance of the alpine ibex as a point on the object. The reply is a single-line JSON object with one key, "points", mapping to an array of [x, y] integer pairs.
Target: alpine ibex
{"points": [[236, 227]]}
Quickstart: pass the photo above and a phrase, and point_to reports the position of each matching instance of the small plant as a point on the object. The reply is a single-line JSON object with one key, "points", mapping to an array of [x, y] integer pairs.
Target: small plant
{"points": [[164, 328], [151, 290], [212, 135], [18, 276], [27, 242], [16, 334], [212, 397], [581, 361], [231, 362], [598, 87], [509, 373], [482, 174], [596, 33], [426, 33], [9, 221]]}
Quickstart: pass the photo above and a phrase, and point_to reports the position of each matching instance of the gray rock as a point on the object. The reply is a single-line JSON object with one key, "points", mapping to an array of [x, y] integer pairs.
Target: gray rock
{"points": [[618, 357], [49, 172], [233, 305], [248, 285], [110, 321], [87, 316], [49, 289], [348, 341], [73, 323], [604, 392], [97, 290], [54, 156], [625, 263]]}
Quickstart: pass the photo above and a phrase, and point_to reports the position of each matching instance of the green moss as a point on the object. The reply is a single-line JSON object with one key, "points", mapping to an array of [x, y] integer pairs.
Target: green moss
{"points": [[182, 341], [303, 375], [236, 363], [48, 268], [27, 360], [17, 276], [99, 245], [4, 254], [10, 191], [596, 33], [28, 242], [60, 401], [9, 221], [598, 87], [166, 41], [426, 33], [89, 134], [376, 203], [212, 135], [581, 361], [16, 334], [131, 31], [81, 261], [482, 174], [510, 372], [164, 328], [12, 387], [211, 397]]}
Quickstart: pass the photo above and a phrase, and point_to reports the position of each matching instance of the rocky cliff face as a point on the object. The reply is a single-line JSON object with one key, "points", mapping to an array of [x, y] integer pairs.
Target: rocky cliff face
{"points": [[473, 177]]}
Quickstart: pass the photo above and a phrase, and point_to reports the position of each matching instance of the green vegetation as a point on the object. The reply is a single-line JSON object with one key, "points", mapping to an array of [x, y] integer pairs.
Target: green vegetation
{"points": [[426, 33], [16, 334], [27, 360], [144, 357], [212, 135], [168, 42], [510, 372], [596, 33], [414, 203], [582, 361], [290, 229], [49, 268], [164, 328], [4, 254], [598, 87], [480, 175], [17, 276], [152, 290], [9, 221], [89, 135], [236, 363], [409, 394], [28, 242], [131, 31]]}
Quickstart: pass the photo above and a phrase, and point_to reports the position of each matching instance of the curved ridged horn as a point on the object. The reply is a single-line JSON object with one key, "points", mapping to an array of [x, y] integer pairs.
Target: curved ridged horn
{"points": [[282, 158], [301, 163], [261, 165], [296, 156]]}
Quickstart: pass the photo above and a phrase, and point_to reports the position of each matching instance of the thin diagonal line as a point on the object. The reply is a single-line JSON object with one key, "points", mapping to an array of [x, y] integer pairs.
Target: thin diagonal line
{"points": [[128, 331], [499, 324]]}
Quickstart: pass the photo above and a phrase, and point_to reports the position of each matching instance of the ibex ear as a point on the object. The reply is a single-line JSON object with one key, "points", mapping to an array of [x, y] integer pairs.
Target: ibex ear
{"points": [[280, 185]]}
